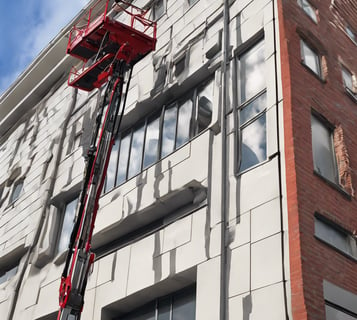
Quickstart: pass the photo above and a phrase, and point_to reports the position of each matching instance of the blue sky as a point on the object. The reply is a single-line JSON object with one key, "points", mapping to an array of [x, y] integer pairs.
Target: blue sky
{"points": [[26, 27]]}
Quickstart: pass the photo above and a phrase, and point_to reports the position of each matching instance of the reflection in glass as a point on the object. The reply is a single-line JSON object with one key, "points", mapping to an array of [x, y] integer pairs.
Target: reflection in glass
{"points": [[254, 143], [164, 306], [123, 159], [253, 108], [136, 152], [144, 313], [67, 225], [322, 150], [309, 9], [311, 59], [204, 107], [151, 142], [17, 190], [168, 131], [252, 72], [183, 123], [112, 167], [347, 79], [184, 307]]}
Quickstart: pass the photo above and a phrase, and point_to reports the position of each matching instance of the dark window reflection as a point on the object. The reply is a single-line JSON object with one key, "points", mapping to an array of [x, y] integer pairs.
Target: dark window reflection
{"points": [[151, 142], [136, 152], [169, 131], [183, 123], [177, 306], [144, 313], [184, 307], [164, 309]]}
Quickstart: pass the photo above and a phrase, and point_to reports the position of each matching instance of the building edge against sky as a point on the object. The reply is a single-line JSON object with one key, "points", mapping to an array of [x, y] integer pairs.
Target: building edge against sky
{"points": [[230, 191]]}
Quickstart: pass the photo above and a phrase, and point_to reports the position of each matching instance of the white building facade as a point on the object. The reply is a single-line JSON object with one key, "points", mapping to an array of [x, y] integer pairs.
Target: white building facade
{"points": [[192, 221]]}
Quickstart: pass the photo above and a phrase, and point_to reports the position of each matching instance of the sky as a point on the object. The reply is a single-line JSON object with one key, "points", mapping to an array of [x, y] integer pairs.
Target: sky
{"points": [[26, 27]]}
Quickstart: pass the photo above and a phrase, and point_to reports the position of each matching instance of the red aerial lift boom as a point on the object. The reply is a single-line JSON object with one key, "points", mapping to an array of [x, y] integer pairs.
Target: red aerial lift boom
{"points": [[108, 50]]}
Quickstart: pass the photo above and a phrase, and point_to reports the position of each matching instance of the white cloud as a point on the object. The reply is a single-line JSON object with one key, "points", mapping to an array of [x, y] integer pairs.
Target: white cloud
{"points": [[42, 21]]}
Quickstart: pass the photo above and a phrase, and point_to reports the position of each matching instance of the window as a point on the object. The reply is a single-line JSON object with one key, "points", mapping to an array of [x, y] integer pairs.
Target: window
{"points": [[309, 9], [252, 106], [347, 79], [178, 306], [192, 2], [69, 213], [334, 313], [160, 134], [158, 9], [7, 273], [335, 236], [310, 58], [16, 191], [351, 34], [323, 151]]}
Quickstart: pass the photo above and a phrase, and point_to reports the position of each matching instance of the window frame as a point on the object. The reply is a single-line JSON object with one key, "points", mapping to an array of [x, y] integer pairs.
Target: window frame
{"points": [[155, 17], [330, 128], [351, 34], [9, 272], [155, 304], [62, 213], [349, 239], [304, 43], [349, 90], [255, 41], [302, 4], [12, 200], [192, 95]]}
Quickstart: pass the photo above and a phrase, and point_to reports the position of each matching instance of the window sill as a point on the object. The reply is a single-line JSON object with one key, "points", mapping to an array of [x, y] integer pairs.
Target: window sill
{"points": [[317, 76], [60, 258], [351, 94], [334, 185]]}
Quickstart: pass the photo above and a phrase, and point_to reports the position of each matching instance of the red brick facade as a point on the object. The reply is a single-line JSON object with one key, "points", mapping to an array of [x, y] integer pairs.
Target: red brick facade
{"points": [[312, 261]]}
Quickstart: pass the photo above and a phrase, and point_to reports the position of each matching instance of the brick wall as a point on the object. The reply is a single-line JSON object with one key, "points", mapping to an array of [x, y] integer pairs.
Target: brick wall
{"points": [[311, 260]]}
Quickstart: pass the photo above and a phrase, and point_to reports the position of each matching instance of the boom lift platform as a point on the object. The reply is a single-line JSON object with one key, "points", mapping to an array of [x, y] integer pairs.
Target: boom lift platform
{"points": [[113, 48]]}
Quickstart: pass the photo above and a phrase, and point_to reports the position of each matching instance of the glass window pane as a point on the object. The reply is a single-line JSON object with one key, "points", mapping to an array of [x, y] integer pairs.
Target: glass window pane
{"points": [[112, 167], [332, 236], [254, 143], [322, 150], [158, 9], [309, 9], [7, 275], [144, 313], [136, 152], [67, 225], [252, 72], [151, 142], [123, 159], [164, 306], [183, 122], [311, 59], [184, 306], [204, 106], [347, 78], [335, 314], [351, 34], [16, 191], [253, 108], [169, 131]]}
